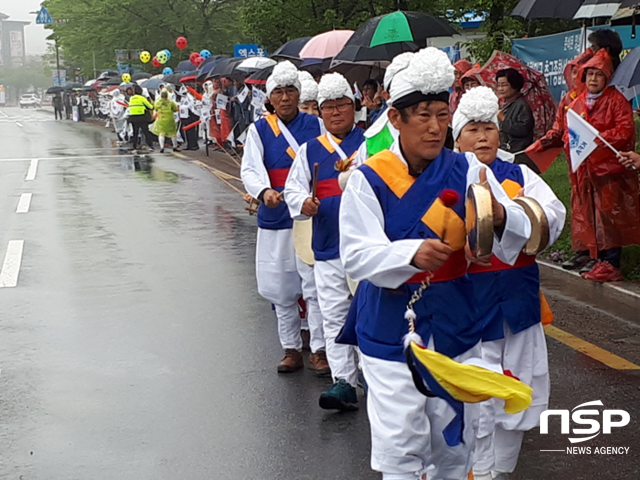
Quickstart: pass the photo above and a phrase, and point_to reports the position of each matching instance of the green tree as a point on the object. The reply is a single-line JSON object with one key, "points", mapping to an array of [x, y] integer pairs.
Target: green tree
{"points": [[99, 27]]}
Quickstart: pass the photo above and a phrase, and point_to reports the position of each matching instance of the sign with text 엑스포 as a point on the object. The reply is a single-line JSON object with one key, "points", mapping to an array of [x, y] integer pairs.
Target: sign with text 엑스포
{"points": [[249, 50]]}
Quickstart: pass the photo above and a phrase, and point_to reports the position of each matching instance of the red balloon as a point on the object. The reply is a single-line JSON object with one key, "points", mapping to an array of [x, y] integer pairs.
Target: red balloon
{"points": [[193, 56], [155, 62], [181, 43], [198, 61]]}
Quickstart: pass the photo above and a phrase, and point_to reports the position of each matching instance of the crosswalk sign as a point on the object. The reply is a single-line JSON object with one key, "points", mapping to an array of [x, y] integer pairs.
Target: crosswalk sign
{"points": [[44, 18]]}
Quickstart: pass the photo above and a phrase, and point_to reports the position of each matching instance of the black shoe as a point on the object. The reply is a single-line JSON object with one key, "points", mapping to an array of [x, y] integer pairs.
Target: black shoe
{"points": [[587, 267], [577, 261], [162, 150], [341, 396], [176, 149]]}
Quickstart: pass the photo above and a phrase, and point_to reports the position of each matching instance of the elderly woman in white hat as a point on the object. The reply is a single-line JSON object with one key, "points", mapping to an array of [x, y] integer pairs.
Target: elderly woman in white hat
{"points": [[512, 336]]}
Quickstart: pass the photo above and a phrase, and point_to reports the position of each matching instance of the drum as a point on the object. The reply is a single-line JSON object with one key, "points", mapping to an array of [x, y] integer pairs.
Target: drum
{"points": [[540, 235], [302, 231], [479, 219]]}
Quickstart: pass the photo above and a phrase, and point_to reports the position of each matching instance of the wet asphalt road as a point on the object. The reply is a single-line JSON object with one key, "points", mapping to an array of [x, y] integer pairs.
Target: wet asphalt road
{"points": [[135, 345]]}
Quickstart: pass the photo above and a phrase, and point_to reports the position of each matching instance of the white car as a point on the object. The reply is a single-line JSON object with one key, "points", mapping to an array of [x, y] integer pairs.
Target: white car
{"points": [[30, 100]]}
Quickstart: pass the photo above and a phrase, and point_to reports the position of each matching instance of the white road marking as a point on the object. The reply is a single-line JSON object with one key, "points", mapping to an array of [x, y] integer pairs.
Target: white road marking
{"points": [[19, 124], [24, 203], [33, 170], [77, 157], [11, 265]]}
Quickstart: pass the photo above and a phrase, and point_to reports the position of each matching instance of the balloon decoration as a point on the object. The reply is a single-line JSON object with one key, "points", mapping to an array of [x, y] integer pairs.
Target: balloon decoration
{"points": [[181, 43], [193, 56], [145, 57], [168, 52], [126, 78], [198, 61], [155, 62], [205, 54], [167, 71], [162, 57]]}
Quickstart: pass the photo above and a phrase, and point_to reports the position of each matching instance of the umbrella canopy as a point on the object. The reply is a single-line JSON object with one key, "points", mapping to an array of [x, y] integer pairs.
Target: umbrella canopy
{"points": [[535, 90], [225, 68], [153, 83], [532, 9], [359, 72], [140, 76], [382, 55], [207, 66], [326, 45], [597, 8], [291, 49], [628, 73], [188, 78], [400, 26], [113, 81], [185, 66], [173, 78], [53, 90], [260, 77], [254, 64], [108, 74], [72, 85], [90, 82]]}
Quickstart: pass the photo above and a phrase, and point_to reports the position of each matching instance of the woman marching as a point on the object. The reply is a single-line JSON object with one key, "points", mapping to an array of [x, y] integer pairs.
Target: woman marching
{"points": [[165, 125]]}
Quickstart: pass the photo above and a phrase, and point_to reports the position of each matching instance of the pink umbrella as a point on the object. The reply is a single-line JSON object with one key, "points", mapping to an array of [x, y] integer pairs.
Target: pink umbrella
{"points": [[326, 45]]}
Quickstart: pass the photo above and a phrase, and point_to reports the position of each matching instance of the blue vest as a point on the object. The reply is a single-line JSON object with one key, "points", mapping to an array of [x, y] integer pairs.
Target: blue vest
{"points": [[447, 310], [278, 158], [326, 234], [507, 293]]}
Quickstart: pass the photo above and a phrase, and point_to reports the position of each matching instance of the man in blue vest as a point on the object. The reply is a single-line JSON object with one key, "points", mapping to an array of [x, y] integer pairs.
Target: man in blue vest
{"points": [[332, 152], [396, 235], [272, 144]]}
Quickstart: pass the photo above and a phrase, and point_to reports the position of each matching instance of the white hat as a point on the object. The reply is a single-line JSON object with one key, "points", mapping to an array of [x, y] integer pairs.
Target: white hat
{"points": [[285, 74], [332, 87], [479, 104], [428, 76], [400, 62], [308, 87]]}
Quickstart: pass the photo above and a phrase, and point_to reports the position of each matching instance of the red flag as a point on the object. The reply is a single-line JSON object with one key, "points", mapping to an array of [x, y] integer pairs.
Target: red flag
{"points": [[542, 158]]}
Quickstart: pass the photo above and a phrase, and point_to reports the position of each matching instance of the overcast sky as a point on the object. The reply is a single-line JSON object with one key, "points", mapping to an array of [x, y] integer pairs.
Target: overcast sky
{"points": [[35, 34]]}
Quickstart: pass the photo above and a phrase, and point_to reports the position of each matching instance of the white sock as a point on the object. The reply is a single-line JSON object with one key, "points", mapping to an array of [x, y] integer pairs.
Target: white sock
{"points": [[161, 141], [175, 142]]}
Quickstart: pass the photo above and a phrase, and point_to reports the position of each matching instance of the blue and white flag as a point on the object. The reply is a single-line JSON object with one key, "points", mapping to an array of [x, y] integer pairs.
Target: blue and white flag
{"points": [[582, 139]]}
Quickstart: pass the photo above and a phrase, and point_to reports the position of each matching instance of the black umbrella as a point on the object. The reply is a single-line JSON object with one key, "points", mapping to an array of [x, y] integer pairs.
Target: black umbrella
{"points": [[380, 55], [291, 49], [72, 85], [226, 68], [140, 76], [53, 90], [260, 77], [174, 77], [153, 83], [628, 73], [185, 66], [207, 66], [596, 9], [113, 81], [561, 9], [108, 74], [359, 72]]}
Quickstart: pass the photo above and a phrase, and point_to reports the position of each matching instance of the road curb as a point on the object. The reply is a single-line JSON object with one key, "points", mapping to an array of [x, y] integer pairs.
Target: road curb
{"points": [[615, 298]]}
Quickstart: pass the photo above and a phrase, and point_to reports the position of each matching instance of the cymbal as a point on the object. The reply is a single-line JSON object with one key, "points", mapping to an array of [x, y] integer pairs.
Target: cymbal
{"points": [[479, 219], [302, 233], [540, 235]]}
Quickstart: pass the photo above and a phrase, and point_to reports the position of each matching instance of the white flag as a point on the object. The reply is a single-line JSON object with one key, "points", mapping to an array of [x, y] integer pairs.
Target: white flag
{"points": [[243, 137], [357, 93], [231, 138], [221, 101], [582, 139], [243, 94], [258, 98]]}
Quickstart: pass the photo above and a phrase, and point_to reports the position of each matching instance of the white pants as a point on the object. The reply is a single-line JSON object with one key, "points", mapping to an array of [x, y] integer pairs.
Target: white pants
{"points": [[334, 299], [500, 435], [406, 426], [280, 281]]}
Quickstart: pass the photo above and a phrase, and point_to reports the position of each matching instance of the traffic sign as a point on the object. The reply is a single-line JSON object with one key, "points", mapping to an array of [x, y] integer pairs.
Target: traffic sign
{"points": [[44, 18]]}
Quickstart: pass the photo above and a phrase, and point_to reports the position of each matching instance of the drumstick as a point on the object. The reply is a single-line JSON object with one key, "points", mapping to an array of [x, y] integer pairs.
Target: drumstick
{"points": [[314, 185]]}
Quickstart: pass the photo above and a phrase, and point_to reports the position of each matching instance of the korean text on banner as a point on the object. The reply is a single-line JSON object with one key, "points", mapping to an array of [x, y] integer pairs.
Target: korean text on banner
{"points": [[582, 139], [550, 55]]}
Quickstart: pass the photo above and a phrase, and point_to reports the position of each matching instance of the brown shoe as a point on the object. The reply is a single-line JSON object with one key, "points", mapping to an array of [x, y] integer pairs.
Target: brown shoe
{"points": [[291, 362], [306, 340], [319, 364]]}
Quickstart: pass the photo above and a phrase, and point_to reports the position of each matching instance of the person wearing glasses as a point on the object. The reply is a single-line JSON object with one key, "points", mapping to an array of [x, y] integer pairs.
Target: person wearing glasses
{"points": [[334, 153]]}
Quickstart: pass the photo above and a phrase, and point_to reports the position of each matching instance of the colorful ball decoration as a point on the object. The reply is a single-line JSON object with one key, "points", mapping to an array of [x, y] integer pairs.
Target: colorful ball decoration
{"points": [[205, 54], [198, 61], [155, 62], [162, 57], [167, 71], [193, 57], [168, 52], [181, 43], [145, 57], [126, 78]]}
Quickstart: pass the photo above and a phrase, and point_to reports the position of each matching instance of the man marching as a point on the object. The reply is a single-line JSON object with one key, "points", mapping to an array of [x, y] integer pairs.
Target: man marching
{"points": [[512, 338], [272, 144], [332, 153], [395, 234]]}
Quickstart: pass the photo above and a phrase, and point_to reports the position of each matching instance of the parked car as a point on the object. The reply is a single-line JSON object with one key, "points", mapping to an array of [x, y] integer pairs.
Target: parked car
{"points": [[30, 100]]}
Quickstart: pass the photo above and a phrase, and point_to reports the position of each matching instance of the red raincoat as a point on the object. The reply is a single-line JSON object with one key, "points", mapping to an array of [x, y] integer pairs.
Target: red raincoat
{"points": [[604, 202], [463, 66]]}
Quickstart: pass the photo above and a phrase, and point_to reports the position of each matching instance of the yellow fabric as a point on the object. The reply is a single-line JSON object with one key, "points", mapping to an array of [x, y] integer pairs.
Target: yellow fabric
{"points": [[327, 144], [512, 188], [440, 216], [472, 384], [392, 171], [272, 120], [546, 313], [138, 105]]}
